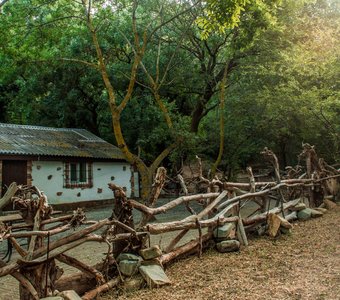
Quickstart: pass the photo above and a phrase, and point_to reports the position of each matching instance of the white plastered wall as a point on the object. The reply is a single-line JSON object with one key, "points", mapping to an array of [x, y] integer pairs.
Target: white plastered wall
{"points": [[48, 177]]}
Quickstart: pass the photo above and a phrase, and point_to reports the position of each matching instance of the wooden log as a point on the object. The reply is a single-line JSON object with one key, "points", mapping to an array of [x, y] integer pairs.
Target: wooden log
{"points": [[71, 261], [211, 205], [101, 289], [251, 179], [79, 282], [82, 282], [241, 233], [44, 222], [59, 250], [170, 226], [189, 222], [122, 211], [23, 281], [182, 183], [188, 247], [17, 247], [6, 199], [158, 228], [157, 186], [263, 217], [42, 277], [156, 189], [171, 204], [59, 229], [37, 220], [201, 177], [256, 194], [41, 233], [7, 269], [73, 237], [230, 185], [175, 241]]}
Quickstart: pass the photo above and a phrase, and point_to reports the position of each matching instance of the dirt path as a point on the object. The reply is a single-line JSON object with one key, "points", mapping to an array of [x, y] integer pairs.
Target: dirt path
{"points": [[302, 265]]}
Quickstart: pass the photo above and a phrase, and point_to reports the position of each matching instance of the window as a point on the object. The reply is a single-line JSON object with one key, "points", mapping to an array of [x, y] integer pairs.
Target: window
{"points": [[78, 174]]}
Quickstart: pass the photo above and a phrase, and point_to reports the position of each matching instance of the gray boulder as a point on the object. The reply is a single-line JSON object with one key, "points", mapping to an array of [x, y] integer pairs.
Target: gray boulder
{"points": [[69, 295], [129, 267], [304, 214], [128, 256], [151, 253], [154, 275], [228, 246], [298, 207], [316, 213], [133, 284], [224, 231]]}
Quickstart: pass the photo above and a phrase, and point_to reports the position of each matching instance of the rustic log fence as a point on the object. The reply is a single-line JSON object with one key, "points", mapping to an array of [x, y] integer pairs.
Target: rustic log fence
{"points": [[49, 238]]}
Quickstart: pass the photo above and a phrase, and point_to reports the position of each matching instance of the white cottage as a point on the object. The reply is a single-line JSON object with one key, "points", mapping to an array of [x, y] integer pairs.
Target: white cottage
{"points": [[69, 165]]}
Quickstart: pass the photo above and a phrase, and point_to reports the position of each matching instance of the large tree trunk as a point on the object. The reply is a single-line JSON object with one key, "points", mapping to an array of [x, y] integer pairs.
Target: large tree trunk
{"points": [[197, 116], [42, 277]]}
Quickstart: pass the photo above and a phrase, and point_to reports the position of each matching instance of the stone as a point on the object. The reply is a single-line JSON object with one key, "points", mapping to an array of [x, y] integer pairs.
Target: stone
{"points": [[133, 284], [228, 246], [285, 230], [223, 231], [154, 276], [329, 204], [151, 253], [322, 205], [316, 214], [154, 261], [69, 295], [291, 217], [284, 223], [274, 223], [52, 298], [261, 230], [298, 207], [304, 214], [129, 267], [128, 256], [323, 210]]}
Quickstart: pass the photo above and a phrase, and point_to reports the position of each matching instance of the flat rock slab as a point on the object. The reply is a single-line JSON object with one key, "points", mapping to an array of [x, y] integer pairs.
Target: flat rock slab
{"points": [[223, 231], [154, 275], [316, 214], [274, 223], [69, 295], [228, 246], [151, 253], [297, 207], [133, 284], [323, 210], [53, 298], [304, 214], [128, 256], [129, 267]]}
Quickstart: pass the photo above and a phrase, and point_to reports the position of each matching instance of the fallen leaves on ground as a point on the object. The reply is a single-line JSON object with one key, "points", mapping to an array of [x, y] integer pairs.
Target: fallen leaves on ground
{"points": [[302, 265]]}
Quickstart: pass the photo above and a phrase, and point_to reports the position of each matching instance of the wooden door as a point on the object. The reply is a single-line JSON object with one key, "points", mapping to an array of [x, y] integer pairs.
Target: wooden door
{"points": [[13, 171]]}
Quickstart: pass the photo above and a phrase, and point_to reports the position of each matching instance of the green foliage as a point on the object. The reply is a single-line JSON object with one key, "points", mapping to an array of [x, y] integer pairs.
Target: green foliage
{"points": [[282, 85], [219, 16]]}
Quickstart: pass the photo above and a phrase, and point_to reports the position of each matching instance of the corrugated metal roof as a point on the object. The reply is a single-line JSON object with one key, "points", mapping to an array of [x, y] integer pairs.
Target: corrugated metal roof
{"points": [[49, 141]]}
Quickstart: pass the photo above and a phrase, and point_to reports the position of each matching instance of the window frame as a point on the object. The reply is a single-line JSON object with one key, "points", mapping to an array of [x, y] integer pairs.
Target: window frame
{"points": [[73, 170]]}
